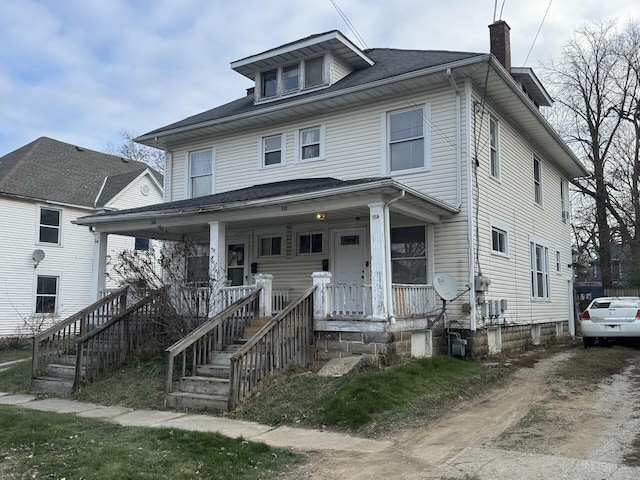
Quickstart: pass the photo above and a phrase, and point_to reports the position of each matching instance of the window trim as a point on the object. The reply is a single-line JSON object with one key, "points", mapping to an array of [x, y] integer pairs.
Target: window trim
{"points": [[299, 145], [57, 295], [39, 224], [495, 224], [535, 242], [386, 136], [189, 177], [262, 149], [537, 183], [494, 171]]}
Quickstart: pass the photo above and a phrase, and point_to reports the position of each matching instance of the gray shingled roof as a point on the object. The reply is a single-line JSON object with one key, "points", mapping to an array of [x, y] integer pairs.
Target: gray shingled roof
{"points": [[48, 169], [389, 63], [256, 192]]}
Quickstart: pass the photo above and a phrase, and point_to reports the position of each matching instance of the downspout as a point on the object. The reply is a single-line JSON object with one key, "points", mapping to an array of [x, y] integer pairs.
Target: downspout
{"points": [[387, 252], [458, 145], [470, 239]]}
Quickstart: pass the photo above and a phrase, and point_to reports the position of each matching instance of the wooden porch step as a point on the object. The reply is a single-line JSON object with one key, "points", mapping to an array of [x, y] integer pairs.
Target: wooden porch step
{"points": [[198, 401], [256, 324], [57, 370], [218, 370], [52, 384], [205, 385]]}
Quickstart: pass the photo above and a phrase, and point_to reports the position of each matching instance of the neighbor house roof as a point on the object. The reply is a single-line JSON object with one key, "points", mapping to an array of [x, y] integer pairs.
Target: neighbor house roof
{"points": [[47, 169]]}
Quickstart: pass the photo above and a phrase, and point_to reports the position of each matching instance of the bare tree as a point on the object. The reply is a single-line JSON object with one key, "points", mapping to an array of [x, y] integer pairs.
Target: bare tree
{"points": [[128, 148], [593, 83]]}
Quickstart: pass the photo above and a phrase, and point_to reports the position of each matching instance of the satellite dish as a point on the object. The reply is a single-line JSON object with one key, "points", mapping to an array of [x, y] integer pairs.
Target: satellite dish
{"points": [[38, 255], [445, 286]]}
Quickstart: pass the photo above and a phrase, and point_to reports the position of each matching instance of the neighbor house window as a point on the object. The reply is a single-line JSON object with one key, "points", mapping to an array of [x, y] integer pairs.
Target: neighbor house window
{"points": [[494, 161], [408, 255], [197, 268], [406, 133], [270, 246], [201, 173], [49, 230], [311, 143], [539, 270], [46, 294], [310, 243], [563, 201], [558, 262], [537, 181], [272, 151], [142, 244]]}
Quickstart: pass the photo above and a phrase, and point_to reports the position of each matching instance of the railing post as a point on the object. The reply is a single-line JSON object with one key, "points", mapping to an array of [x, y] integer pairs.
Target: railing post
{"points": [[320, 300], [265, 281]]}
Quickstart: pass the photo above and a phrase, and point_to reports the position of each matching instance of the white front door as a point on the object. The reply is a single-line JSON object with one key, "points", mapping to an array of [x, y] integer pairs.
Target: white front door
{"points": [[349, 263]]}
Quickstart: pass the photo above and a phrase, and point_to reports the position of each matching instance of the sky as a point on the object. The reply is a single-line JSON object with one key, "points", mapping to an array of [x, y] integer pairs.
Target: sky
{"points": [[81, 71]]}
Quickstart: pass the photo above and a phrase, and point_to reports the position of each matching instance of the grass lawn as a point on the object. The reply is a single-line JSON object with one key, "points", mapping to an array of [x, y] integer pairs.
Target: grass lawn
{"points": [[47, 445]]}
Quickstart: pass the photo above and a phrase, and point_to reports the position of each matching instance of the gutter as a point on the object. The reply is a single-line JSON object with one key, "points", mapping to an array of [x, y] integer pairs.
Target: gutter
{"points": [[157, 135]]}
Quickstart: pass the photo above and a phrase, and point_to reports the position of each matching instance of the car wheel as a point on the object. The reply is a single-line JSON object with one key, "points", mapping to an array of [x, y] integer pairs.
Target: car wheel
{"points": [[588, 341]]}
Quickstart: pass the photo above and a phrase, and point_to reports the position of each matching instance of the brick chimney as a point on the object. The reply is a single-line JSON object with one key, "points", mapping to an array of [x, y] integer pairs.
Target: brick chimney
{"points": [[501, 43]]}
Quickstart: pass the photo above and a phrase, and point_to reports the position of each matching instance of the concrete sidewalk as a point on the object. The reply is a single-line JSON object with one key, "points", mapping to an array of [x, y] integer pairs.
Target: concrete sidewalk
{"points": [[284, 437]]}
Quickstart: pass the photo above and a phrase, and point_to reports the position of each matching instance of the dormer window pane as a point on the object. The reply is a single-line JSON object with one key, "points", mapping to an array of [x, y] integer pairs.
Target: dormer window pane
{"points": [[269, 83], [313, 72], [290, 77]]}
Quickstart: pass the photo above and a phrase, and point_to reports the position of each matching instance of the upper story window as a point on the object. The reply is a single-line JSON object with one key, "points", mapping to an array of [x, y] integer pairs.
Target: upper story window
{"points": [[537, 181], [307, 73], [201, 173], [407, 135], [272, 150], [311, 144], [563, 201], [49, 226], [494, 161]]}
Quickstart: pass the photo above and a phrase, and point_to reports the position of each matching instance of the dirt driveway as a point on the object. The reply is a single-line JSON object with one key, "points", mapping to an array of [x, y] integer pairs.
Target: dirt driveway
{"points": [[536, 427]]}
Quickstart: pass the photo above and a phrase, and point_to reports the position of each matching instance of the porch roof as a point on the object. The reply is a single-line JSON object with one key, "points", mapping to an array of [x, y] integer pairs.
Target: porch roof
{"points": [[266, 204]]}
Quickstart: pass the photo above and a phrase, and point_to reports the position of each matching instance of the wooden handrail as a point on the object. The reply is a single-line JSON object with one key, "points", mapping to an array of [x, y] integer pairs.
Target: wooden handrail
{"points": [[199, 333], [286, 339]]}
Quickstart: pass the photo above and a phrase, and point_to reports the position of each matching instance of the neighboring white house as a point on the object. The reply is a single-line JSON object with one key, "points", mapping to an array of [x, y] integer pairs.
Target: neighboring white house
{"points": [[46, 262], [376, 170]]}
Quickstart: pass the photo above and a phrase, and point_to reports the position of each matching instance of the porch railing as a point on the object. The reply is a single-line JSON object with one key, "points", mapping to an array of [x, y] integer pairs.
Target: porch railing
{"points": [[349, 300], [196, 299], [197, 347], [105, 348], [413, 300], [61, 339], [286, 340], [355, 300]]}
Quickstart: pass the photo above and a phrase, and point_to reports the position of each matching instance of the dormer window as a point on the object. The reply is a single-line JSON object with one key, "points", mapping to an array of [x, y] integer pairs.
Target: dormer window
{"points": [[292, 78]]}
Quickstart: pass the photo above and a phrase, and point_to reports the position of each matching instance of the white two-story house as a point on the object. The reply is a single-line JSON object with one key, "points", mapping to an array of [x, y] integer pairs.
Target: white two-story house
{"points": [[48, 265], [370, 173]]}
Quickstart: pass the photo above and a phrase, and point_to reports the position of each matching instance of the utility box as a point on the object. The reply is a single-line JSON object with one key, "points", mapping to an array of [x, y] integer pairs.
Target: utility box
{"points": [[481, 283]]}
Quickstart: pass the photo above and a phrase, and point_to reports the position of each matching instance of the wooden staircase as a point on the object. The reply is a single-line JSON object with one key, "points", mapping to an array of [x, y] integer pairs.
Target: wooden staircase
{"points": [[58, 377], [209, 388]]}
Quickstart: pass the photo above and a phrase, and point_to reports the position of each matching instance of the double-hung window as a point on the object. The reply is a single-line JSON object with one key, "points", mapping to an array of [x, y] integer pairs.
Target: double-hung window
{"points": [[409, 255], [563, 201], [311, 144], [539, 253], [494, 160], [537, 181], [46, 294], [201, 173], [49, 226], [499, 238], [272, 151], [406, 134]]}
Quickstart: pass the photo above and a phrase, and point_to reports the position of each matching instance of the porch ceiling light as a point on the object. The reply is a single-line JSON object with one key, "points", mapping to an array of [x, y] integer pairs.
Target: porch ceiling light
{"points": [[321, 216]]}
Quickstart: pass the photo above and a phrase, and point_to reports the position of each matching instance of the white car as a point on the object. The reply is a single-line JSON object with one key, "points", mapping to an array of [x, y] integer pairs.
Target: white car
{"points": [[610, 317]]}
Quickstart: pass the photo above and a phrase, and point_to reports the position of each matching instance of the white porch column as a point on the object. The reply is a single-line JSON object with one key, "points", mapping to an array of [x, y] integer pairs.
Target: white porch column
{"points": [[320, 300], [217, 265], [99, 266], [380, 260], [265, 280]]}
